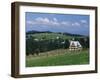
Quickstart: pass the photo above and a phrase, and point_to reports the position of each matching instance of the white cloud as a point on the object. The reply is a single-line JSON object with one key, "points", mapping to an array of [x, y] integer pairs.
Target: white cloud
{"points": [[55, 19], [55, 22], [76, 24], [66, 23], [44, 20], [83, 21], [29, 22]]}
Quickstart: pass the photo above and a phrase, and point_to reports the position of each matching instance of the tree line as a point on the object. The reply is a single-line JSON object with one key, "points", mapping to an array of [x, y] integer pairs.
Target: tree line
{"points": [[35, 46]]}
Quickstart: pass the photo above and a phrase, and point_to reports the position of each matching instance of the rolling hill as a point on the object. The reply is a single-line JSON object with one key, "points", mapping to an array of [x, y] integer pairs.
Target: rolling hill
{"points": [[52, 35]]}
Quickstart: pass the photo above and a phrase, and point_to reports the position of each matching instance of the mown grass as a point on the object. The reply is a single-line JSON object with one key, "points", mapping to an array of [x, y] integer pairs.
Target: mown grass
{"points": [[58, 57]]}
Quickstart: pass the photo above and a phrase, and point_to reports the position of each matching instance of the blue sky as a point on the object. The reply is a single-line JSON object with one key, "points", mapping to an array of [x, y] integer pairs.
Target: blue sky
{"points": [[71, 23]]}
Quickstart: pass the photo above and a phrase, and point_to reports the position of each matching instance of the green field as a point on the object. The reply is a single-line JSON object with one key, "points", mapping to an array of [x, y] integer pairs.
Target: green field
{"points": [[58, 57], [49, 36]]}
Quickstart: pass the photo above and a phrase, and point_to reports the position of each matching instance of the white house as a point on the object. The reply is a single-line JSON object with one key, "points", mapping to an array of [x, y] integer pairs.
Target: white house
{"points": [[75, 45], [36, 39]]}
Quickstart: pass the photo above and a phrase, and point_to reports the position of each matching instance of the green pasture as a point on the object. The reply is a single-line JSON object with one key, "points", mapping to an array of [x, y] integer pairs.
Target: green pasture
{"points": [[49, 36], [58, 57]]}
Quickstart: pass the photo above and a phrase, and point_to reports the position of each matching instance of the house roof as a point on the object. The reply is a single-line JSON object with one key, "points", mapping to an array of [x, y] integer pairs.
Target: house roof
{"points": [[75, 43]]}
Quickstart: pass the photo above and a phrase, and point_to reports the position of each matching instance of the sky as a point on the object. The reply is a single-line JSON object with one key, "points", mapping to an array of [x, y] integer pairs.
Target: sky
{"points": [[54, 22]]}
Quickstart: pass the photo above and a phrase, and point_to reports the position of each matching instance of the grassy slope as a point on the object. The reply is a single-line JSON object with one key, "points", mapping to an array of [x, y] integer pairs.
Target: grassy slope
{"points": [[51, 36], [65, 58]]}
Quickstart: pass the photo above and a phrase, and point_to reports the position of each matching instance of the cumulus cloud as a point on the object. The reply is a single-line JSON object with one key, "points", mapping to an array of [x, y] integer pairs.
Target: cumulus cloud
{"points": [[66, 23], [55, 19], [83, 21], [44, 21], [55, 22], [76, 24]]}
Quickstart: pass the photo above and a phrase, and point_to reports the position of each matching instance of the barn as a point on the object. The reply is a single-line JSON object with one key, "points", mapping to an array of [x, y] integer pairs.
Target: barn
{"points": [[75, 45]]}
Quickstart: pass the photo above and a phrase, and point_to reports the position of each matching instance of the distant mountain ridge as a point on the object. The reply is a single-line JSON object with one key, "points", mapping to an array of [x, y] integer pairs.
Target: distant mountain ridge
{"points": [[65, 33]]}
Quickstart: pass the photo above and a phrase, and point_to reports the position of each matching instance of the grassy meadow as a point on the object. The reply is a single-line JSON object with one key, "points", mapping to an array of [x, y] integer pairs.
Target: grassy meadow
{"points": [[58, 57], [49, 36]]}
